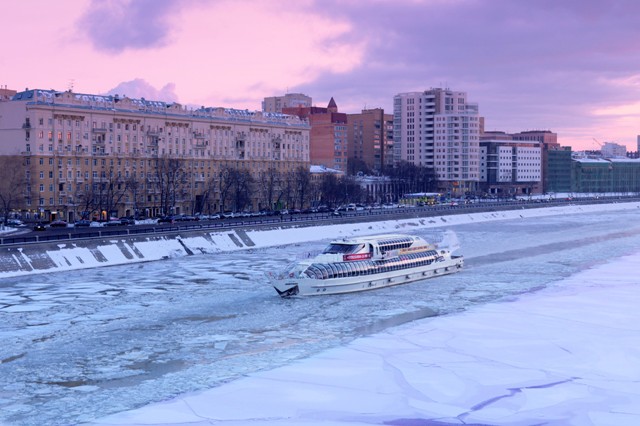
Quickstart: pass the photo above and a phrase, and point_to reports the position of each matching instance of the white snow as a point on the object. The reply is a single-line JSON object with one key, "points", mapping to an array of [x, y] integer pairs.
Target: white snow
{"points": [[566, 355]]}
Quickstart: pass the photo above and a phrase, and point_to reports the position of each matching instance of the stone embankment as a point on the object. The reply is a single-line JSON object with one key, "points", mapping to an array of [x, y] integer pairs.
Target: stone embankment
{"points": [[16, 260]]}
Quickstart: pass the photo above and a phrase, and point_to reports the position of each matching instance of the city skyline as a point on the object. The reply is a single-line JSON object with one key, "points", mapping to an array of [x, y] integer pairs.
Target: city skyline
{"points": [[570, 67]]}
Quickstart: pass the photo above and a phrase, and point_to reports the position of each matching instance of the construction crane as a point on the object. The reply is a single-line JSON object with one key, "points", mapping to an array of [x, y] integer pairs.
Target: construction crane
{"points": [[598, 142]]}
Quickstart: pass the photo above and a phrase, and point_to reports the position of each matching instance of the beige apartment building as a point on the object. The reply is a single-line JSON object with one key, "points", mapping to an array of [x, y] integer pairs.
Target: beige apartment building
{"points": [[83, 155]]}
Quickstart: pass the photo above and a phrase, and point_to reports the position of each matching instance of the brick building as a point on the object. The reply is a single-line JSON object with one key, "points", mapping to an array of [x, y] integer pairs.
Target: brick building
{"points": [[328, 144]]}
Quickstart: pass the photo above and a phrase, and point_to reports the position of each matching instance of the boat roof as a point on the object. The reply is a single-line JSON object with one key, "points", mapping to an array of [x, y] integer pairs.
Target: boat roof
{"points": [[376, 239]]}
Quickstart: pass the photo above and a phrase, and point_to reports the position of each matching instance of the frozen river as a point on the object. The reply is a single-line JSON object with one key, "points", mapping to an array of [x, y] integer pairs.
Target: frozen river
{"points": [[83, 344]]}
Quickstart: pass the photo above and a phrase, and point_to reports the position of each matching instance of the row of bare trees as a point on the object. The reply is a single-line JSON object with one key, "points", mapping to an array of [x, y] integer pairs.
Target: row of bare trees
{"points": [[172, 188]]}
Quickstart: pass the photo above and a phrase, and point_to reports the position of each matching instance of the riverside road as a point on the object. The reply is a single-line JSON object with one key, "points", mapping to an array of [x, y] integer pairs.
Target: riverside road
{"points": [[29, 236]]}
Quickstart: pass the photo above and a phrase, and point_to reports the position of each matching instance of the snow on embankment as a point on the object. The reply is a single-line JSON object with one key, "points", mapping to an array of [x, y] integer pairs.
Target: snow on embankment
{"points": [[75, 254]]}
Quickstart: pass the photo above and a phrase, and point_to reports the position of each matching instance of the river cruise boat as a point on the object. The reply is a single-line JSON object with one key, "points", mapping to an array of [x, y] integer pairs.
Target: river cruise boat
{"points": [[365, 263]]}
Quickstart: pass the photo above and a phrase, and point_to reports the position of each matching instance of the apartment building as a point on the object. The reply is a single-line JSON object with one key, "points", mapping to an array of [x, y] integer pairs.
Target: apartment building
{"points": [[111, 155], [290, 100], [328, 144], [439, 129], [370, 138]]}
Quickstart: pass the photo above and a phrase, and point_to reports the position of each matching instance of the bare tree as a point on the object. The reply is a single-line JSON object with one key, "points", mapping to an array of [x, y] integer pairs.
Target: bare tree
{"points": [[330, 189], [171, 182], [84, 200], [12, 185], [134, 187], [302, 185], [269, 187], [242, 189], [225, 183], [204, 199]]}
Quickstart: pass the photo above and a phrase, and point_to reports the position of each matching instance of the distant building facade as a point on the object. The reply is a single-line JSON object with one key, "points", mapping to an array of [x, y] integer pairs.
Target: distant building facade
{"points": [[544, 137], [439, 129], [613, 150], [6, 94], [509, 167], [290, 100], [370, 138], [140, 156], [557, 169], [328, 144], [600, 175]]}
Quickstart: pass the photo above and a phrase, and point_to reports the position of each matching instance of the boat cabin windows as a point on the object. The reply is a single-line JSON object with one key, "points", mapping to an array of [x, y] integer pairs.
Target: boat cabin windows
{"points": [[395, 244], [324, 271], [343, 248]]}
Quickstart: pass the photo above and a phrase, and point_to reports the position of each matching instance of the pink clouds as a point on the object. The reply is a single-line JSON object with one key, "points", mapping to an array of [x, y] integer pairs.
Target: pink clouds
{"points": [[543, 64], [139, 88]]}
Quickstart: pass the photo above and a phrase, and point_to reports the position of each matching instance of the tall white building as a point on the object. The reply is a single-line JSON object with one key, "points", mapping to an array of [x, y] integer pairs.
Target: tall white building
{"points": [[439, 129]]}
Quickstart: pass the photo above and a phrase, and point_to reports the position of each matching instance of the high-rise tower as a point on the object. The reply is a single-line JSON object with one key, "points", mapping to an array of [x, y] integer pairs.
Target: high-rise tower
{"points": [[439, 129]]}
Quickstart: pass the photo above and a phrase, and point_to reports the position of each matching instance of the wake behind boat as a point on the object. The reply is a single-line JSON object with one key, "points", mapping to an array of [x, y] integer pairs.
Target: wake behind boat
{"points": [[365, 263]]}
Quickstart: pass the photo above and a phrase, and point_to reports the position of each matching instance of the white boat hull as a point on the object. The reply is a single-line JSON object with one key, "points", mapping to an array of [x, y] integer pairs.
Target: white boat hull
{"points": [[313, 287]]}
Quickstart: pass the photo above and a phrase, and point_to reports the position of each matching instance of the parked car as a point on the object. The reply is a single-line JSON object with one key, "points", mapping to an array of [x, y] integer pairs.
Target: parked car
{"points": [[16, 223], [167, 219], [113, 222], [127, 221], [58, 224], [82, 223]]}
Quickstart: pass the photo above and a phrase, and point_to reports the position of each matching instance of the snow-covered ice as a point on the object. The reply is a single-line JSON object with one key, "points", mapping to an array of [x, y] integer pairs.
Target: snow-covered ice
{"points": [[569, 354], [539, 328]]}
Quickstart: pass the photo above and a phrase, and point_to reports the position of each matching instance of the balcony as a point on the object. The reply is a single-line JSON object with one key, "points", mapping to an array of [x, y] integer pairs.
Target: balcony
{"points": [[99, 130]]}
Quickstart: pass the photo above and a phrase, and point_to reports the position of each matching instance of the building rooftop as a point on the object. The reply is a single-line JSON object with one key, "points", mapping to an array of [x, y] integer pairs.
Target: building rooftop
{"points": [[142, 105]]}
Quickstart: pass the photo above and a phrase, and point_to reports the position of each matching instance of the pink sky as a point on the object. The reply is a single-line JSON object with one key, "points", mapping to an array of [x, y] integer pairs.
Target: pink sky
{"points": [[569, 66]]}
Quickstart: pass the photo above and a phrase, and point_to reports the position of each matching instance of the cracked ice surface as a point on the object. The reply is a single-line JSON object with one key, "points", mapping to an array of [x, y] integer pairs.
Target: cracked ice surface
{"points": [[568, 354]]}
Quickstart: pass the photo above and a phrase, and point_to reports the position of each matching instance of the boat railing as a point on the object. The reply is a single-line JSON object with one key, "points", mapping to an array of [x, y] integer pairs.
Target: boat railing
{"points": [[308, 255]]}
